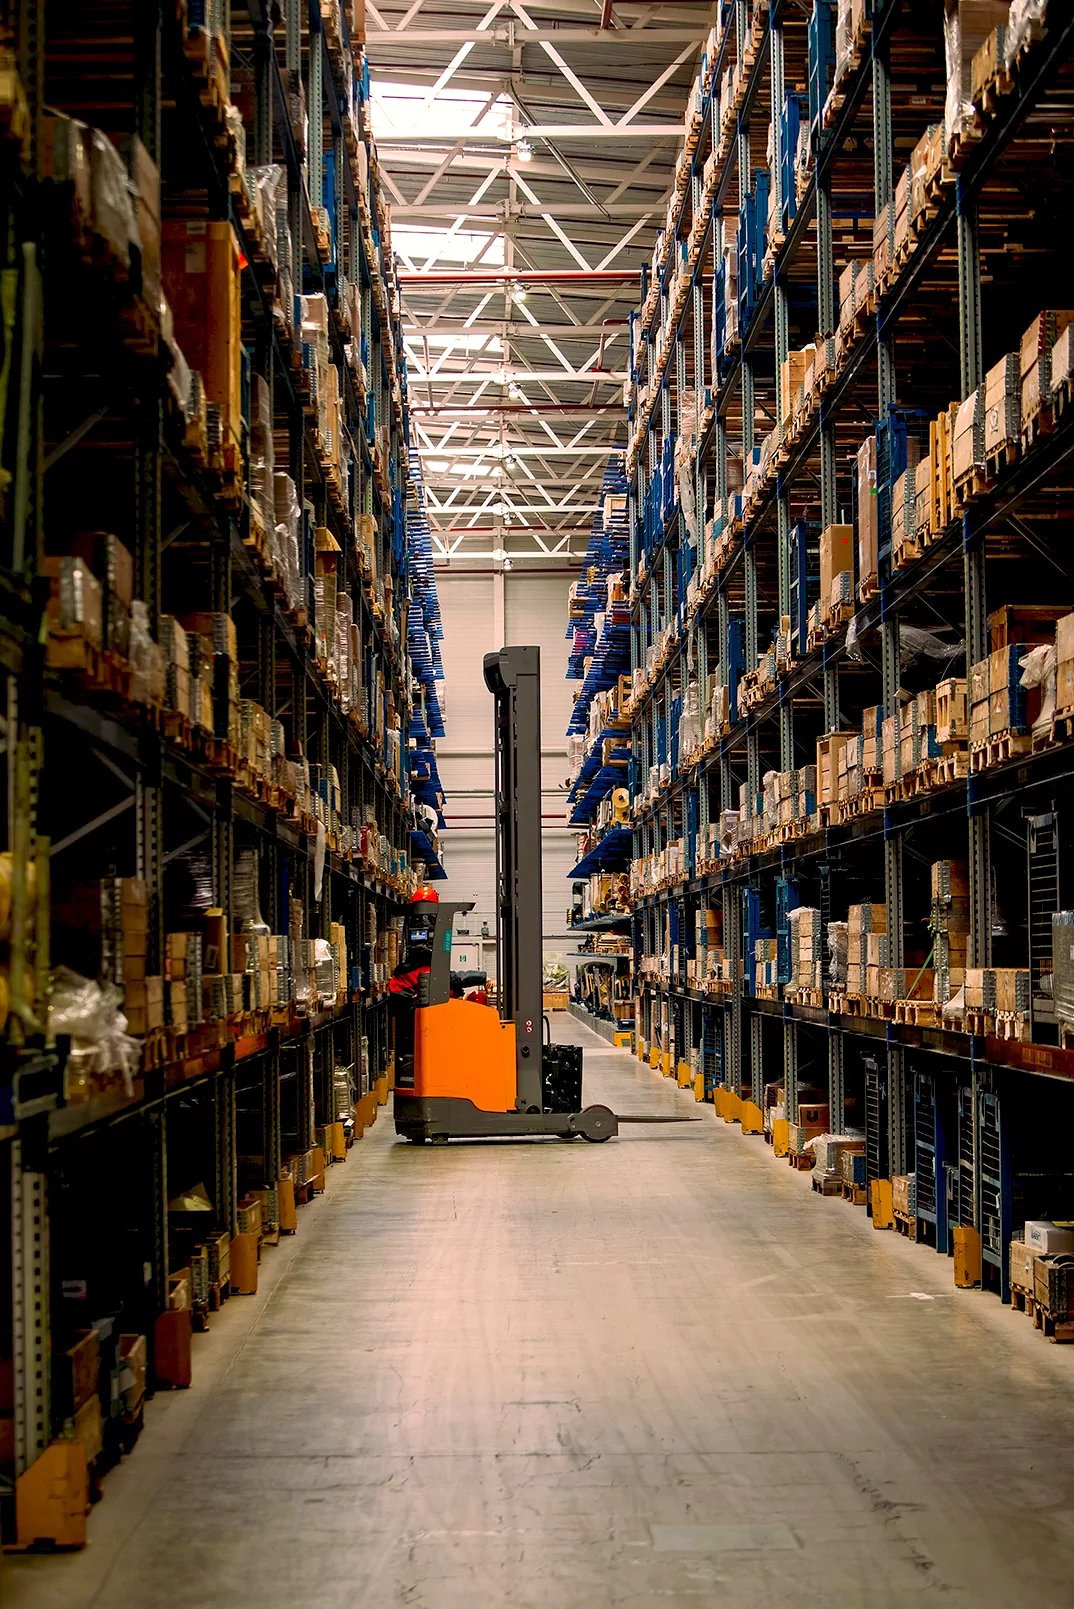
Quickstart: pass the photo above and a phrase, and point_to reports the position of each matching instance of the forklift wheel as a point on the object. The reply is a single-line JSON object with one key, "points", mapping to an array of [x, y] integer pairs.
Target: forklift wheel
{"points": [[596, 1124], [438, 1139]]}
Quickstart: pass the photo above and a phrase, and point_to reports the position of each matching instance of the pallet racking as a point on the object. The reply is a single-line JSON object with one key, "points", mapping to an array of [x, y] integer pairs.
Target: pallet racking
{"points": [[235, 455], [849, 474], [598, 630]]}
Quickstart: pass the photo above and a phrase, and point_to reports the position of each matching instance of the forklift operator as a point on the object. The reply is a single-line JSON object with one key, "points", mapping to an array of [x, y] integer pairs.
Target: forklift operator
{"points": [[404, 985]]}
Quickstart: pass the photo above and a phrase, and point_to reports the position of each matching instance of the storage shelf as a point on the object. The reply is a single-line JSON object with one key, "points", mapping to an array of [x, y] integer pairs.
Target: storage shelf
{"points": [[746, 278], [612, 853], [159, 432]]}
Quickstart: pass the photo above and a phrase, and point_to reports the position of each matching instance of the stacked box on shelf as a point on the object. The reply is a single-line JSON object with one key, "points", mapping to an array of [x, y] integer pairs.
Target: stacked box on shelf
{"points": [[866, 948], [1035, 364], [1000, 706], [967, 24], [949, 921], [806, 948]]}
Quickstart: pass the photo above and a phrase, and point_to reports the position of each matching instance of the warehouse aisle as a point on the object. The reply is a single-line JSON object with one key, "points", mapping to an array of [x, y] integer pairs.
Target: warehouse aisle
{"points": [[653, 1372]]}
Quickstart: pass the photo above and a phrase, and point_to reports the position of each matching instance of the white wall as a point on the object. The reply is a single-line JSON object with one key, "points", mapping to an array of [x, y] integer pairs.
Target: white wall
{"points": [[483, 612]]}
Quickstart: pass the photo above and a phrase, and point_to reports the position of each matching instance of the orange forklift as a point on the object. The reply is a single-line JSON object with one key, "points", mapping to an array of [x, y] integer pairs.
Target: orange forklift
{"points": [[489, 1072]]}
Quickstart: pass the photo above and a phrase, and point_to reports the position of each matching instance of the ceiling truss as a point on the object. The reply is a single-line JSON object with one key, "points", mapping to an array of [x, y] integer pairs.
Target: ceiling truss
{"points": [[530, 147]]}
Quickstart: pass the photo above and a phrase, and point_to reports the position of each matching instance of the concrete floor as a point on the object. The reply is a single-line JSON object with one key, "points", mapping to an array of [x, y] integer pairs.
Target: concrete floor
{"points": [[654, 1372]]}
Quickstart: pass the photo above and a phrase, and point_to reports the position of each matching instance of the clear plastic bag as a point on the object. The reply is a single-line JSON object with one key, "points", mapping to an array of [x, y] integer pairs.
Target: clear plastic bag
{"points": [[917, 645], [838, 949], [1025, 18], [91, 1015], [1038, 670], [955, 1008], [690, 720], [148, 662], [1063, 966]]}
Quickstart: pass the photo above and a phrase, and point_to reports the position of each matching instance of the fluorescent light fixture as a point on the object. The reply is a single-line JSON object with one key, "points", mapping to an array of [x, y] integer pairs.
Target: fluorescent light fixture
{"points": [[525, 151], [464, 246], [463, 341], [398, 109]]}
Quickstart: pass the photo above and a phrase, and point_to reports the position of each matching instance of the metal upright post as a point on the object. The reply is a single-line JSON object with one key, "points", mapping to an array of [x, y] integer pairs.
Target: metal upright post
{"points": [[897, 1135], [30, 1286], [836, 1082], [732, 933], [973, 564], [889, 627], [829, 513], [790, 1070], [513, 676]]}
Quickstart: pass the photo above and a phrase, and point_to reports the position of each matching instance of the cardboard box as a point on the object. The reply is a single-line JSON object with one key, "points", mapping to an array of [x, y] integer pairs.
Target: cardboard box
{"points": [[967, 1256], [868, 511], [1064, 664], [952, 717], [1021, 1266], [1029, 624], [1044, 1238], [143, 1005], [200, 268], [1002, 403], [76, 600], [133, 1359], [76, 1374], [836, 558], [1053, 1285], [172, 1336], [243, 1265], [88, 1429], [1035, 359]]}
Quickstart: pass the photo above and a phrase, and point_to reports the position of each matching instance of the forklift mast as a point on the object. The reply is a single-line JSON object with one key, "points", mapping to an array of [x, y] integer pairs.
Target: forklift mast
{"points": [[513, 677]]}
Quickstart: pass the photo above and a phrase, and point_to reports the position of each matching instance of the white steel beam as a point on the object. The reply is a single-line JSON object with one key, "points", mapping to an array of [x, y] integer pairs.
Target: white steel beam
{"points": [[380, 45], [541, 131], [502, 212], [516, 376], [610, 330]]}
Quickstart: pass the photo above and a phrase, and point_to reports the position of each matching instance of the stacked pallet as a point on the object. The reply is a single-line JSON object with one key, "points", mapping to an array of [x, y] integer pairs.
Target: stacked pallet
{"points": [[805, 985]]}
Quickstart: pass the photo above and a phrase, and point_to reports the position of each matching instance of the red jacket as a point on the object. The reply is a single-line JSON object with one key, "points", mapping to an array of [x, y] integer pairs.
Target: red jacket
{"points": [[406, 981]]}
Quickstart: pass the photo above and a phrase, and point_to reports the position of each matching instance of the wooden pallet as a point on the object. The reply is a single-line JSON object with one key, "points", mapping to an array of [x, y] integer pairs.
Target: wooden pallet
{"points": [[906, 550], [1036, 426], [856, 1194], [999, 750], [1013, 1025], [923, 1013], [827, 1184], [178, 729], [806, 997], [952, 768], [978, 1023], [904, 1224], [801, 1161], [1052, 1327], [1003, 459], [969, 487], [1022, 1300]]}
